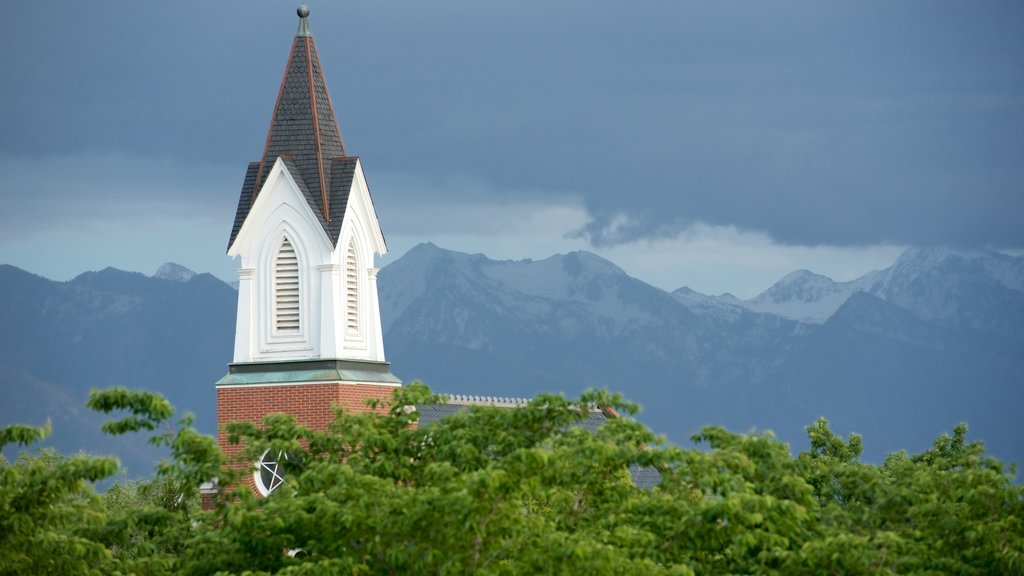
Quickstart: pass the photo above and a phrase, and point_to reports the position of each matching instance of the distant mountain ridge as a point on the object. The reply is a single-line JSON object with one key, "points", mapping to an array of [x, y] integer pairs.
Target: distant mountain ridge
{"points": [[899, 354], [927, 281], [938, 322], [110, 328]]}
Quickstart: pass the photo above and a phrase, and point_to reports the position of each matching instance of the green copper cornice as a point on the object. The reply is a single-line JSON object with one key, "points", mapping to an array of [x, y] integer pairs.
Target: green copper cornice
{"points": [[302, 371]]}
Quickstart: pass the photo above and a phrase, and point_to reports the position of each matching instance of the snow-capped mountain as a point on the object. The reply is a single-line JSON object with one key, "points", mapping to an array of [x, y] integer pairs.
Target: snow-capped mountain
{"points": [[975, 287], [978, 288], [866, 353], [807, 297], [563, 294], [563, 323], [174, 272]]}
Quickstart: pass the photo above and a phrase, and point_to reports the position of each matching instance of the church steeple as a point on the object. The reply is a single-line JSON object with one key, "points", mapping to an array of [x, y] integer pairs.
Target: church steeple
{"points": [[306, 231], [308, 331]]}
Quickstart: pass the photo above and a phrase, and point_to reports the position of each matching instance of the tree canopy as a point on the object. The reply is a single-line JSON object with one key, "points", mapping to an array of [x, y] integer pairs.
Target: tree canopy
{"points": [[493, 490]]}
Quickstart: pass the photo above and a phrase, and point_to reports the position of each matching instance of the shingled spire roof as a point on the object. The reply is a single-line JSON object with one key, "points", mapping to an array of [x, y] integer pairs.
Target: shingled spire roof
{"points": [[304, 133]]}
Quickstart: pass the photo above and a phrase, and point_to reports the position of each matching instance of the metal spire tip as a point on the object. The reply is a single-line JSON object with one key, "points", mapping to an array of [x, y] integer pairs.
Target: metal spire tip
{"points": [[303, 12]]}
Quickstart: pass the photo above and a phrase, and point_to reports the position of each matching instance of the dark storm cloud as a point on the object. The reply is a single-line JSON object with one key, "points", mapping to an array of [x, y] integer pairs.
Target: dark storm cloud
{"points": [[815, 122]]}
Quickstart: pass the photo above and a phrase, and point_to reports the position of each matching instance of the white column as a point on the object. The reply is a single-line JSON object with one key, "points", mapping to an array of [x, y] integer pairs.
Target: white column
{"points": [[330, 322], [245, 323], [375, 339]]}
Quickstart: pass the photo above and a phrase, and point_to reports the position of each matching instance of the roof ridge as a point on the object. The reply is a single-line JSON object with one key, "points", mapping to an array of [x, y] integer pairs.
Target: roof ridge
{"points": [[474, 400], [511, 402]]}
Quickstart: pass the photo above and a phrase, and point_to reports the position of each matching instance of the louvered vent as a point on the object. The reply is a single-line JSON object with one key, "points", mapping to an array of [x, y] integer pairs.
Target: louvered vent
{"points": [[351, 290], [286, 289]]}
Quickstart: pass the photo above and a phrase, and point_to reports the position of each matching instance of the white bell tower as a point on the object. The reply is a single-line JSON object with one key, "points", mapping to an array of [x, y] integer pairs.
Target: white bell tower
{"points": [[308, 333]]}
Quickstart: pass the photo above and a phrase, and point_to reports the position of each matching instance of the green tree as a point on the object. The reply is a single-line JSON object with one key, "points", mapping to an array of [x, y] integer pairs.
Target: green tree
{"points": [[487, 490], [51, 521], [508, 491], [949, 510]]}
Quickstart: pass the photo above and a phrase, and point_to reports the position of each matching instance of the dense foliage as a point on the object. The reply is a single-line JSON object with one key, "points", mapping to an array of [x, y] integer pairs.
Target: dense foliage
{"points": [[508, 491]]}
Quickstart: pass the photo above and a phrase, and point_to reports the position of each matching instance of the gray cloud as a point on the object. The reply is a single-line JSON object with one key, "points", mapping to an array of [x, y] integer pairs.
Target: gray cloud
{"points": [[813, 122]]}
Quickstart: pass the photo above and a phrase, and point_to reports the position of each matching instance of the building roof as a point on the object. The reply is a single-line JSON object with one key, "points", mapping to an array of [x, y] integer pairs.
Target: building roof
{"points": [[304, 132], [644, 477]]}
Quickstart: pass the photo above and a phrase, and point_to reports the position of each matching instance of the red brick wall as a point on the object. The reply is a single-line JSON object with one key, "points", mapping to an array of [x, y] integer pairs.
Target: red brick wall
{"points": [[207, 501], [312, 405]]}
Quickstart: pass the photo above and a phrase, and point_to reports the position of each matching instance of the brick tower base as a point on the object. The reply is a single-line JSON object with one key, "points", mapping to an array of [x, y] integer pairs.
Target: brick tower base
{"points": [[306, 389]]}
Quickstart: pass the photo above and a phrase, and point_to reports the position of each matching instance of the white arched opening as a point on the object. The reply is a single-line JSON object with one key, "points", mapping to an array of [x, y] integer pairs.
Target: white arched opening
{"points": [[351, 290], [286, 286]]}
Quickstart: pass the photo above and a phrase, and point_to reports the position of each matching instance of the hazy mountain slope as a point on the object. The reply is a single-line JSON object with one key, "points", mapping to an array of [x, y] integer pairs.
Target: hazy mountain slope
{"points": [[879, 370], [578, 315], [110, 328], [33, 401], [467, 324], [726, 307]]}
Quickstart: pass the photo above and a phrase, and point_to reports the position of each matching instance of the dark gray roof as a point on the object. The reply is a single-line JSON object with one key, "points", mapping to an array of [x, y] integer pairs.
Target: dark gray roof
{"points": [[343, 171], [643, 477], [305, 133], [244, 199], [430, 413]]}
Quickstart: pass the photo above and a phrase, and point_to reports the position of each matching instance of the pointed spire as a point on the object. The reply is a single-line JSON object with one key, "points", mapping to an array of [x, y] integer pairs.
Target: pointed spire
{"points": [[303, 129]]}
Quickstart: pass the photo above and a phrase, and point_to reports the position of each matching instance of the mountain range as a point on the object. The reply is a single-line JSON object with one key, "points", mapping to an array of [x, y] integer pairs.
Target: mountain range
{"points": [[171, 333], [898, 355]]}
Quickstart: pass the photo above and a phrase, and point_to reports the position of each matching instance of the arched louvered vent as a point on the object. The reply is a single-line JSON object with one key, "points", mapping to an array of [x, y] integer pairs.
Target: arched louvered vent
{"points": [[351, 290], [286, 289]]}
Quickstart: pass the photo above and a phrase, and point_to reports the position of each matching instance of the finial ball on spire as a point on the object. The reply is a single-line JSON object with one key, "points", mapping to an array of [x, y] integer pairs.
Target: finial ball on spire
{"points": [[303, 30]]}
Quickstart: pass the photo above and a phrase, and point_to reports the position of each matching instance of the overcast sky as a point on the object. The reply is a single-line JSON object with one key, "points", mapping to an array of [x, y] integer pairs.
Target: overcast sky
{"points": [[715, 144]]}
